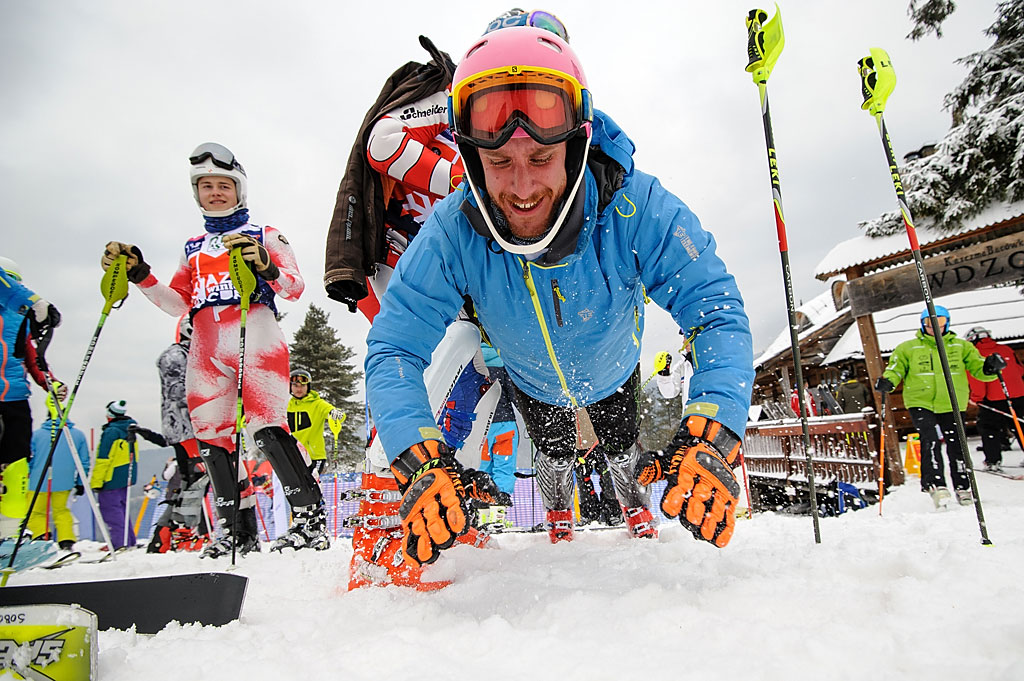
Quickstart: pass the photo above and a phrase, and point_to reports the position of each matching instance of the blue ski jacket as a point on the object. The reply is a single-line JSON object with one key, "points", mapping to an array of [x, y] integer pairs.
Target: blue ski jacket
{"points": [[568, 331], [15, 302], [63, 474]]}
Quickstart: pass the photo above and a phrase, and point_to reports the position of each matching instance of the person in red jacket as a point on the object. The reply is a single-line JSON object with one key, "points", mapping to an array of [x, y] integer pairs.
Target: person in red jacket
{"points": [[990, 397], [794, 402]]}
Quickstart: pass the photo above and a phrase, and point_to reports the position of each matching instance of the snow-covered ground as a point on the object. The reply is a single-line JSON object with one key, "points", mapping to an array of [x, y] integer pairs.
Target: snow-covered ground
{"points": [[909, 595]]}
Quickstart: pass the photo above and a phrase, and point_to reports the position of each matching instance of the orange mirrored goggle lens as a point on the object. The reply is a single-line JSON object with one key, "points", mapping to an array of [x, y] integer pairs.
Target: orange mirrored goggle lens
{"points": [[546, 105]]}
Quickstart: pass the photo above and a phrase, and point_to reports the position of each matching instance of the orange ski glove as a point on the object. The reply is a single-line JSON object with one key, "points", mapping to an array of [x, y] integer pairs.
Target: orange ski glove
{"points": [[432, 501], [702, 489]]}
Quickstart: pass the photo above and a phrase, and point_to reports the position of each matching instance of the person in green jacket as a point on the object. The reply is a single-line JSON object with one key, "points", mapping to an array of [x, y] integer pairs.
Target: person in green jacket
{"points": [[916, 363]]}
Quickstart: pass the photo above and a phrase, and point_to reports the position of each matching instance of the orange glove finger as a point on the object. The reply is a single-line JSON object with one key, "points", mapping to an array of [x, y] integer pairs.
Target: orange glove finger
{"points": [[726, 534], [715, 515], [696, 506], [673, 500]]}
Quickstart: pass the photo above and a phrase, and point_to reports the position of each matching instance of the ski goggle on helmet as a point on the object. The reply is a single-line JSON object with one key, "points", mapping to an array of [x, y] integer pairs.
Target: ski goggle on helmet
{"points": [[536, 18], [525, 79], [301, 376], [215, 160]]}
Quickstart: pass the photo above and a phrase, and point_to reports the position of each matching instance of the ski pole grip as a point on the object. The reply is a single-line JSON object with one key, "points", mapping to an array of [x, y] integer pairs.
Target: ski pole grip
{"points": [[114, 285], [765, 40], [877, 80], [242, 277]]}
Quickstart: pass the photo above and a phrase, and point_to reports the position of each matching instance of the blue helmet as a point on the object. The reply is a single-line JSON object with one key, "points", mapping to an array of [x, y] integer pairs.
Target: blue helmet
{"points": [[940, 311]]}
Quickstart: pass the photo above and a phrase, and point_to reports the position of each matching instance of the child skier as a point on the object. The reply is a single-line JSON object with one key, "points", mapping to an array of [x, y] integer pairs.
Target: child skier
{"points": [[202, 287]]}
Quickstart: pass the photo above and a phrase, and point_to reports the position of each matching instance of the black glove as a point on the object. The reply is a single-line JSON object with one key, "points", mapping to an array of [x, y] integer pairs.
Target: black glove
{"points": [[79, 489], [994, 363], [135, 429], [346, 291], [42, 318], [138, 268], [884, 385], [480, 486]]}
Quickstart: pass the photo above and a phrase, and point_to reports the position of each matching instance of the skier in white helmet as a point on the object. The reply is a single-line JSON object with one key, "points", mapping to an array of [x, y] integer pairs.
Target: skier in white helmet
{"points": [[202, 288]]}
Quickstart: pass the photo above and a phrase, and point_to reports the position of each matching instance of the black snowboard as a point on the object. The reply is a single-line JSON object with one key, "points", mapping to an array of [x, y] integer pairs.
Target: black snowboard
{"points": [[148, 603]]}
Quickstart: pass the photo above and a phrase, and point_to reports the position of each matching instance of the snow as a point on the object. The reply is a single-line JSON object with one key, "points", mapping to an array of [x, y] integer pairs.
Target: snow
{"points": [[864, 248], [999, 309], [817, 312], [908, 595]]}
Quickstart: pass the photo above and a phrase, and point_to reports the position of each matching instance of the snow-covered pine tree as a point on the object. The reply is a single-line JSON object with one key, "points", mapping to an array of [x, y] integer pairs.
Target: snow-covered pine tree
{"points": [[318, 349], [660, 417], [980, 161]]}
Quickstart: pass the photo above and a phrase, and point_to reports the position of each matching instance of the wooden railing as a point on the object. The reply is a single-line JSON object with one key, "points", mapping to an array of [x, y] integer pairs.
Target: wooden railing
{"points": [[844, 448]]}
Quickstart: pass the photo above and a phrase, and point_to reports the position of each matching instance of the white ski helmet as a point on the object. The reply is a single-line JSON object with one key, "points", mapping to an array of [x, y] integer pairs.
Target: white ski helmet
{"points": [[10, 267], [212, 159]]}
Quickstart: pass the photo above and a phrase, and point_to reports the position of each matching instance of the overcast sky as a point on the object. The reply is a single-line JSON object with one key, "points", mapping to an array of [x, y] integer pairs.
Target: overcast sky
{"points": [[103, 101]]}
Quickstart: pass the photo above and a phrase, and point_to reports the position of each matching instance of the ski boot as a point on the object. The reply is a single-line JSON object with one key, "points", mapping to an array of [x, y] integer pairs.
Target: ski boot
{"points": [[187, 539], [308, 530], [964, 497], [940, 497], [377, 558], [560, 526], [640, 522], [246, 539], [554, 477]]}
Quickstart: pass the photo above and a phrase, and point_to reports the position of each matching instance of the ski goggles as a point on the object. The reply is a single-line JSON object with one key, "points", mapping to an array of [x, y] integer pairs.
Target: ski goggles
{"points": [[218, 154], [300, 379], [549, 105], [536, 18]]}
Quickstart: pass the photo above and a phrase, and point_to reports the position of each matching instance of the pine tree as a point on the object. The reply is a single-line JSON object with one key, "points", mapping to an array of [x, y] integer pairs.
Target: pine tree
{"points": [[980, 161], [660, 418], [317, 349]]}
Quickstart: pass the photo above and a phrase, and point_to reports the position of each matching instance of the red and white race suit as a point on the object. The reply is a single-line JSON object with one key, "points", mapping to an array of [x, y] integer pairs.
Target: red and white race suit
{"points": [[202, 286]]}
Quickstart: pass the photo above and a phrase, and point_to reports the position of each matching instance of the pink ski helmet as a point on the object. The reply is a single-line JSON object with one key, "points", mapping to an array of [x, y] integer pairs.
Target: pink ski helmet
{"points": [[516, 82]]}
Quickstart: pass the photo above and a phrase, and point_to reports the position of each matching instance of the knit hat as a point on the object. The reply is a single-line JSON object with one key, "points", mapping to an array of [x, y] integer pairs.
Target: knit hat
{"points": [[116, 408]]}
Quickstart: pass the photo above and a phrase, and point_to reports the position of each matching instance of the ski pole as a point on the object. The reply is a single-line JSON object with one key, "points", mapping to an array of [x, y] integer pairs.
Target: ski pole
{"points": [[881, 455], [145, 504], [93, 502], [878, 79], [114, 287], [999, 411], [244, 281], [765, 40], [1009, 403], [128, 490]]}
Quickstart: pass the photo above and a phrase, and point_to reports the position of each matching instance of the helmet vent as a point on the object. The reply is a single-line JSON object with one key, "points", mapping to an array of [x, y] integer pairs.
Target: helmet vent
{"points": [[550, 44]]}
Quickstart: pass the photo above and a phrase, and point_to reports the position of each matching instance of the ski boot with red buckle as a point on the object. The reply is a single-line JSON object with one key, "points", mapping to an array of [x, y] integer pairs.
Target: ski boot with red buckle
{"points": [[640, 522], [560, 526], [377, 558]]}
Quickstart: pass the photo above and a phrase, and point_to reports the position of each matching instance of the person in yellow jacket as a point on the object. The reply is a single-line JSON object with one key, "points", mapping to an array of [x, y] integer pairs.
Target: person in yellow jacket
{"points": [[307, 414], [116, 470]]}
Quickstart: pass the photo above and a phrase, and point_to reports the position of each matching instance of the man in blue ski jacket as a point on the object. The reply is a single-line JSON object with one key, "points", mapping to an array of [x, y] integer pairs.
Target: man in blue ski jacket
{"points": [[23, 316], [557, 240]]}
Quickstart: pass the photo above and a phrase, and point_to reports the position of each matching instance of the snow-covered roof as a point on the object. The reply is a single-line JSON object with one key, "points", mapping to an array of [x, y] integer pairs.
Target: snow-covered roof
{"points": [[819, 311], [863, 249], [1000, 310]]}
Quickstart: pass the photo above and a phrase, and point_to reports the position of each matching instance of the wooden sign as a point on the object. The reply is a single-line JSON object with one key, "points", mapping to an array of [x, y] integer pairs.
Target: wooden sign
{"points": [[993, 262]]}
